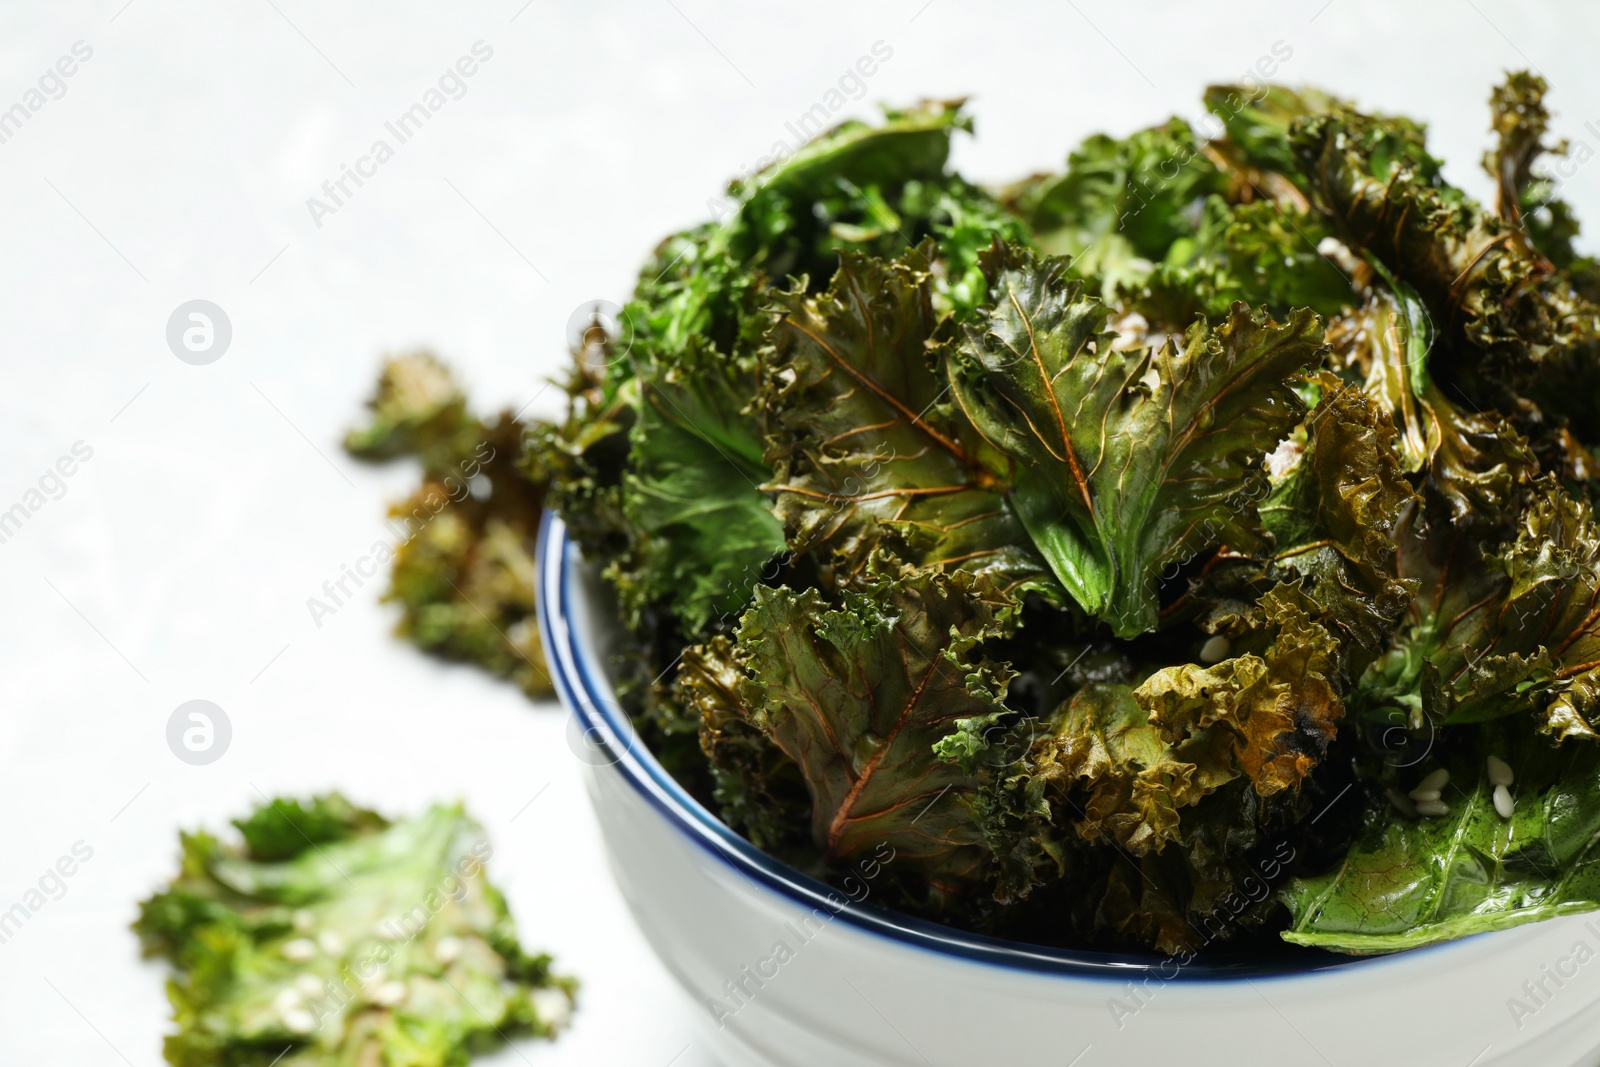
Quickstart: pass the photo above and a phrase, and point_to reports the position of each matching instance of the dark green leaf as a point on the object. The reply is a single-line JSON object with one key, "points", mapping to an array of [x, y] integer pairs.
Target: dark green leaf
{"points": [[858, 695], [864, 435], [1120, 204], [1131, 459], [1408, 883]]}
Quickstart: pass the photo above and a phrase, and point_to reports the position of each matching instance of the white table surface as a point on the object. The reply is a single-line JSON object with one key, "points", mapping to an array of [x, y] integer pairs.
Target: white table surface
{"points": [[178, 563]]}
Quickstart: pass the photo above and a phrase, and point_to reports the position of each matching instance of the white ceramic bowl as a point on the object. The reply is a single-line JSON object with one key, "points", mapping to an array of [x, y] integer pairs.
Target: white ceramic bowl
{"points": [[785, 971]]}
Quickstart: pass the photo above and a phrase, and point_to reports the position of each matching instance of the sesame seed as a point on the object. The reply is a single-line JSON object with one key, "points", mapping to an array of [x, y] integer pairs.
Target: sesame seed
{"points": [[1503, 802], [299, 950], [1215, 650], [1499, 771], [389, 994], [446, 949], [308, 984], [1423, 796], [288, 999], [552, 1006], [304, 921], [1433, 809], [1437, 780], [330, 942], [299, 1021]]}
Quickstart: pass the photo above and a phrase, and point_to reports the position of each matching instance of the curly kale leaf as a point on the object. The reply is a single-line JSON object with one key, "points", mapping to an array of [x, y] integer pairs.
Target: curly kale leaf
{"points": [[864, 436], [287, 827], [1273, 714], [1515, 326], [1475, 461], [1409, 883], [1259, 124], [1540, 647], [683, 519], [911, 143], [418, 409], [1133, 765], [1333, 519], [1097, 766], [857, 696], [1259, 253], [1120, 204], [964, 221], [1373, 177], [1129, 460], [876, 191], [463, 570], [1525, 198], [1215, 884], [1131, 782], [695, 496], [1101, 772], [710, 529], [759, 789], [370, 940], [1501, 631]]}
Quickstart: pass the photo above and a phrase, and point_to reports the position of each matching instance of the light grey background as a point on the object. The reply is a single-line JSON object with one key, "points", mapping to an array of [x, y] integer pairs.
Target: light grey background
{"points": [[177, 564]]}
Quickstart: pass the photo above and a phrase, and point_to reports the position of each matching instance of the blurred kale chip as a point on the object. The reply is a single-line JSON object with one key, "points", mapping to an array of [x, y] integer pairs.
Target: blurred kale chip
{"points": [[463, 569], [329, 935]]}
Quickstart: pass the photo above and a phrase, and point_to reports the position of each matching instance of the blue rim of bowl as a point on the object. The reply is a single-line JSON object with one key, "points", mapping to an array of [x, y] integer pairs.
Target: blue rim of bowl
{"points": [[581, 683]]}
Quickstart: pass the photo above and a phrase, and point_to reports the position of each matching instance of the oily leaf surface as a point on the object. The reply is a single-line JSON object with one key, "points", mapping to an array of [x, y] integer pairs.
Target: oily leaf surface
{"points": [[1273, 714], [1525, 196], [1410, 883], [1333, 519], [858, 695], [758, 787], [1519, 328], [1475, 461], [1501, 630], [864, 437], [1182, 815], [1129, 459]]}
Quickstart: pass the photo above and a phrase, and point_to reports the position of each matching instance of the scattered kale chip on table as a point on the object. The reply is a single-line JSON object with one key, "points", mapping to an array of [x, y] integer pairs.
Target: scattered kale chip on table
{"points": [[330, 935], [463, 569]]}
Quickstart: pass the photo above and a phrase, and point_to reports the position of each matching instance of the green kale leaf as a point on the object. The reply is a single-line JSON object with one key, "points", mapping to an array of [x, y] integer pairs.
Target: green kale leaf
{"points": [[1260, 253], [706, 528], [864, 437], [1501, 631], [1407, 883], [1120, 204], [463, 570], [857, 696], [1333, 518], [1130, 459], [1525, 198], [759, 789], [333, 936]]}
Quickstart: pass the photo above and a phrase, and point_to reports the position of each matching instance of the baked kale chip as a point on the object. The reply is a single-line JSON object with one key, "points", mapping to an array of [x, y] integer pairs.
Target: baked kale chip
{"points": [[328, 935], [463, 567]]}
